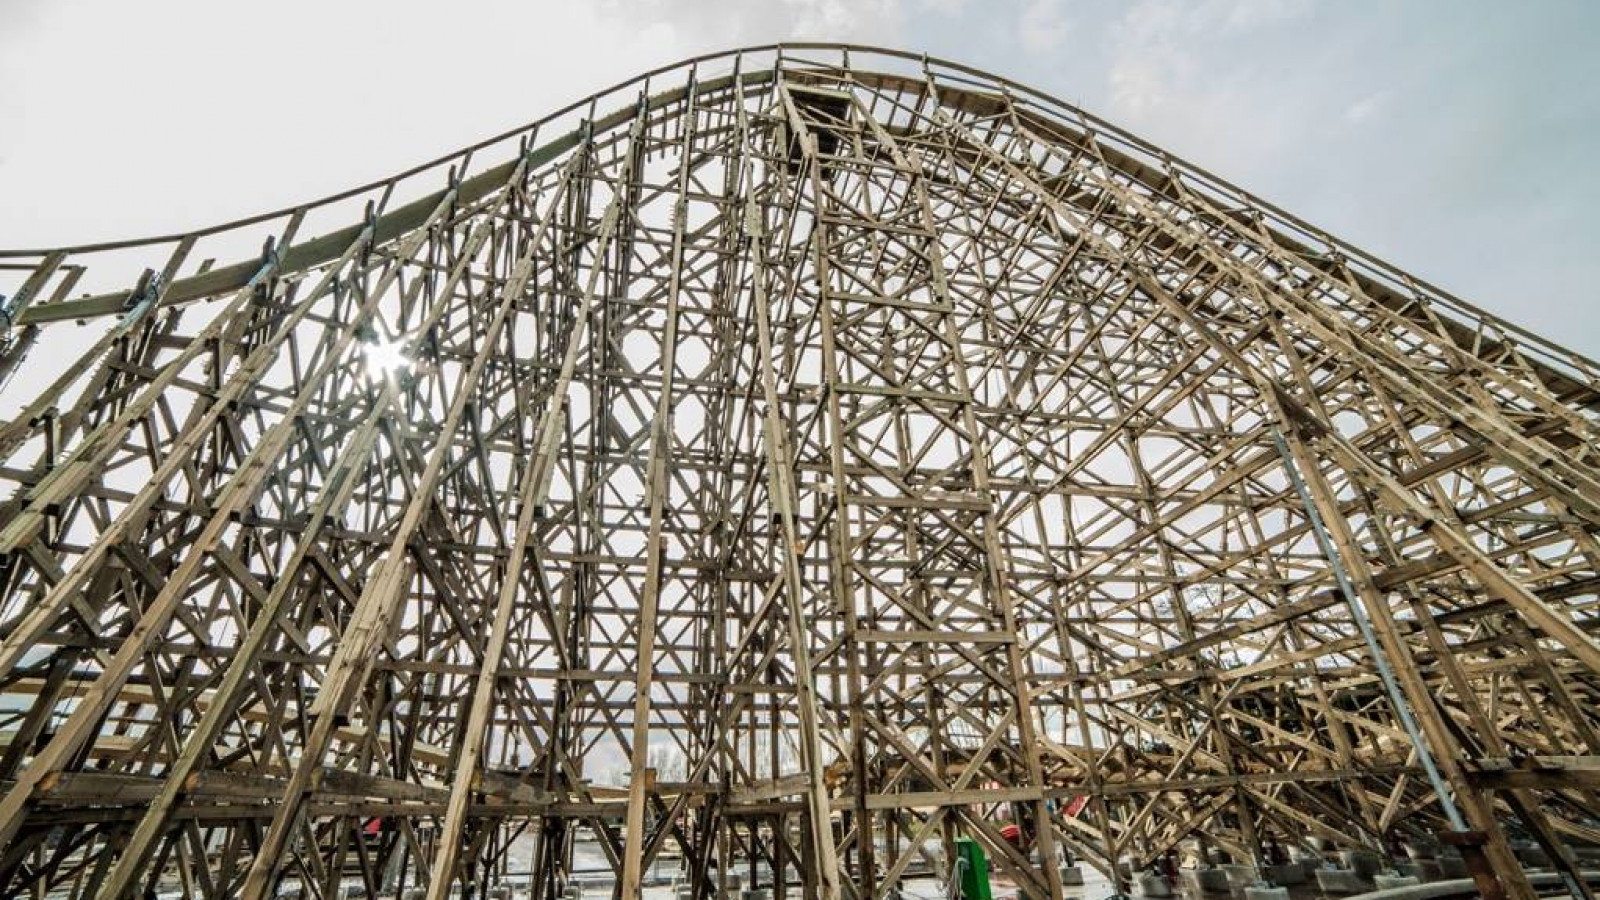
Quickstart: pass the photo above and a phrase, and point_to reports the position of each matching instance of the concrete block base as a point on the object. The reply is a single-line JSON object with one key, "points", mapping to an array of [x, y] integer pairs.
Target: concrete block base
{"points": [[1364, 862], [1341, 881], [1432, 870], [1239, 875], [1206, 881], [1286, 874], [1301, 854], [1531, 855], [1255, 892], [1152, 885], [1385, 882], [1072, 876], [1420, 852]]}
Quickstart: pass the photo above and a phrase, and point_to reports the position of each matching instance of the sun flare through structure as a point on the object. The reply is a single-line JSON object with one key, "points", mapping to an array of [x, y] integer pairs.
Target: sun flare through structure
{"points": [[782, 467]]}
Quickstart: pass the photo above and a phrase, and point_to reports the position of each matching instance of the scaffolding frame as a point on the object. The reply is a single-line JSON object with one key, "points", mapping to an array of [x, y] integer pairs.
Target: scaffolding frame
{"points": [[878, 444]]}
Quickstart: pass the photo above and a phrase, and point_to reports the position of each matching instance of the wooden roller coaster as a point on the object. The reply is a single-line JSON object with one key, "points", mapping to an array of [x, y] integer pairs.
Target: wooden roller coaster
{"points": [[886, 444]]}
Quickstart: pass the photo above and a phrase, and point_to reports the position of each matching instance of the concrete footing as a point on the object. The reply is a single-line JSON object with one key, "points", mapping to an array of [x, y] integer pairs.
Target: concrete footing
{"points": [[1206, 881], [1286, 874], [1239, 874], [1151, 884], [1531, 855], [1419, 852], [1363, 862], [1429, 870], [1262, 892], [1072, 876], [1385, 881], [1341, 881], [755, 894]]}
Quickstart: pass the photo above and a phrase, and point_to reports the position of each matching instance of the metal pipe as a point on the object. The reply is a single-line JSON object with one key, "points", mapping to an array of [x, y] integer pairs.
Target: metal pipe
{"points": [[1379, 659]]}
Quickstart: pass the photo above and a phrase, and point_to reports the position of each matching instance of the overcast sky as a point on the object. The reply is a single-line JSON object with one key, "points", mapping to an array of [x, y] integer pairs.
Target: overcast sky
{"points": [[1456, 139]]}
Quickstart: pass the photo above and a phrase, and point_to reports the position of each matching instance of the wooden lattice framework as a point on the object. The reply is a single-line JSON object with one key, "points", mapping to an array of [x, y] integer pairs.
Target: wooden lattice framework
{"points": [[887, 442]]}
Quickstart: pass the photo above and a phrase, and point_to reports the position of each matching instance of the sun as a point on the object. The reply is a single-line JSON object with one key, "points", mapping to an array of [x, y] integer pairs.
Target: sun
{"points": [[386, 357]]}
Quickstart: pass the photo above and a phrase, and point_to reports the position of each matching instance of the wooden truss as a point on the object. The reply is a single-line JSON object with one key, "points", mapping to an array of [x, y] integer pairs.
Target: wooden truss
{"points": [[783, 461]]}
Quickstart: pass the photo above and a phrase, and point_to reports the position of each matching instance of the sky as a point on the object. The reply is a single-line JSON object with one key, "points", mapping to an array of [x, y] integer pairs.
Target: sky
{"points": [[1456, 139]]}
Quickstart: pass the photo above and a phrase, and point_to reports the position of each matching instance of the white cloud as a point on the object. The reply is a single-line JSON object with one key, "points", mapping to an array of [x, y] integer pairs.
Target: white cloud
{"points": [[1367, 107], [126, 119], [1138, 84], [1148, 57], [1042, 26], [1185, 70], [1246, 15], [1157, 46], [723, 24]]}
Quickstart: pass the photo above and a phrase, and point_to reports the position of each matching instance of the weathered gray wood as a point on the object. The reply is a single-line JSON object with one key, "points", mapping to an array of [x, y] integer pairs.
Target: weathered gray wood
{"points": [[860, 446]]}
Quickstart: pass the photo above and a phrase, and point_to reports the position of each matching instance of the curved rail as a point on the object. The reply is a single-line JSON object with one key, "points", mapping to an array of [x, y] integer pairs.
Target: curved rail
{"points": [[1567, 370], [1547, 883]]}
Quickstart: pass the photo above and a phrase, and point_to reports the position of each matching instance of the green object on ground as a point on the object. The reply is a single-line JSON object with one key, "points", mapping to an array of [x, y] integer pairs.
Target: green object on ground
{"points": [[975, 872]]}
